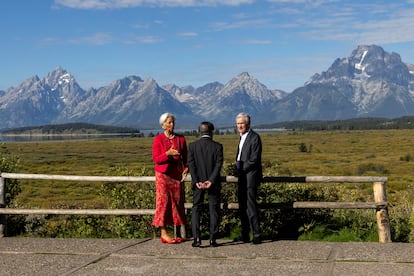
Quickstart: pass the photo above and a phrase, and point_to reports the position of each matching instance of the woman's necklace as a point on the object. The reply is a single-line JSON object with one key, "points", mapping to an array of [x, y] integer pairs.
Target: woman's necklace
{"points": [[169, 136]]}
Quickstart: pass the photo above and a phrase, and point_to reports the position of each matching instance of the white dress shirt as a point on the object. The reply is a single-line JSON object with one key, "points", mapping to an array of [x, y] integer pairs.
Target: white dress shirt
{"points": [[241, 143]]}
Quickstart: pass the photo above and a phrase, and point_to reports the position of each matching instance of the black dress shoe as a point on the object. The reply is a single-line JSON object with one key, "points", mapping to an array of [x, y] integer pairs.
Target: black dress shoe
{"points": [[257, 240], [213, 243], [196, 243]]}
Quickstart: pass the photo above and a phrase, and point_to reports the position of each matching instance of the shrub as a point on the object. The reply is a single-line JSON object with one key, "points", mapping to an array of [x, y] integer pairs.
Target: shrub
{"points": [[402, 218], [302, 147], [408, 157], [119, 196], [334, 234], [9, 163], [364, 168]]}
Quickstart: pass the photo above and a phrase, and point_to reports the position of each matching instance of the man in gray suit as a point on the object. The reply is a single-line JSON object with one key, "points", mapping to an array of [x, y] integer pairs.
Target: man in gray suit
{"points": [[205, 160], [249, 172]]}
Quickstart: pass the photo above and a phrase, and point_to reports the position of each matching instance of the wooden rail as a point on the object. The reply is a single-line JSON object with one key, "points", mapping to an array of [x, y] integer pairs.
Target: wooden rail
{"points": [[379, 188]]}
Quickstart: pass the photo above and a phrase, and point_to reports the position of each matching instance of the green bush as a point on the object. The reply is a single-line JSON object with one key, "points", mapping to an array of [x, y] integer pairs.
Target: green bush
{"points": [[401, 216], [370, 167], [285, 222], [344, 226], [332, 233], [119, 196], [282, 222], [9, 163]]}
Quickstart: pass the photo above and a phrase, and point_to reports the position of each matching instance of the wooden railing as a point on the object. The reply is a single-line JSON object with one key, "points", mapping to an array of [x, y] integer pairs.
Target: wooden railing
{"points": [[379, 203]]}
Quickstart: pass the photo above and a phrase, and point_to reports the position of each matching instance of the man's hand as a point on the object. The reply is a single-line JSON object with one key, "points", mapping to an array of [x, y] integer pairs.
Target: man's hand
{"points": [[204, 185], [200, 185], [207, 184]]}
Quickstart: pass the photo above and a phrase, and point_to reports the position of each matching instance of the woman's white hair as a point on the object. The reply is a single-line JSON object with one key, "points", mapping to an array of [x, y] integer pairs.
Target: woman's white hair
{"points": [[165, 116]]}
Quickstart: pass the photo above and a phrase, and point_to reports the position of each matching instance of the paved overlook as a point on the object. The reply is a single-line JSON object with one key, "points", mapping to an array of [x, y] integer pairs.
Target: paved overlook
{"points": [[38, 256]]}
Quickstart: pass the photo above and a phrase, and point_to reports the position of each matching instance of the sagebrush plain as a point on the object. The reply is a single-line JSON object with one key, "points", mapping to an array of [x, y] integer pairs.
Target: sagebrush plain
{"points": [[296, 153], [387, 153]]}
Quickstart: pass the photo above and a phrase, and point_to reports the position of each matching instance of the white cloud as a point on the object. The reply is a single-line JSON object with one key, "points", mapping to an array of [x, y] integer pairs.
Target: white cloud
{"points": [[252, 23], [119, 4], [48, 41], [363, 23], [95, 39], [140, 26], [257, 41], [149, 39], [187, 34]]}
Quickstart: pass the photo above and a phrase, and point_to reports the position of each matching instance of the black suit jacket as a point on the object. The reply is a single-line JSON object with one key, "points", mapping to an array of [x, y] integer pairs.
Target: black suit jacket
{"points": [[251, 155], [205, 159]]}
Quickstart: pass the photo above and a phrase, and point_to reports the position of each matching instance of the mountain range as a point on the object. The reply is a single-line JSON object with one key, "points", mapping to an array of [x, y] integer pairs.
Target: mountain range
{"points": [[368, 83]]}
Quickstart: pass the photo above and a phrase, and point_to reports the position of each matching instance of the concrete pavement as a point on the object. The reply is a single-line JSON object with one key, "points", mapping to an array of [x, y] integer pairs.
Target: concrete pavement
{"points": [[46, 256]]}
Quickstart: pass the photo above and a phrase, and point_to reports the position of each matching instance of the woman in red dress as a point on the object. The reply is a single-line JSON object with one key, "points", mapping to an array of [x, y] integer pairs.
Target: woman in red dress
{"points": [[169, 153]]}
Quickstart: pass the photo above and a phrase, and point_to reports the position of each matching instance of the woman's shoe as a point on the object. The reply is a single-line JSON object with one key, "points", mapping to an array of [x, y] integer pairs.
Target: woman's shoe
{"points": [[168, 241], [179, 240]]}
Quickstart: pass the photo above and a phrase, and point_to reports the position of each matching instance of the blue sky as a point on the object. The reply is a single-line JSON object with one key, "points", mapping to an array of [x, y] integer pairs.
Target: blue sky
{"points": [[187, 42]]}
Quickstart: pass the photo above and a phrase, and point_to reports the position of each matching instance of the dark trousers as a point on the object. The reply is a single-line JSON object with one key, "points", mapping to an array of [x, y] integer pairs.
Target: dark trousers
{"points": [[248, 210], [214, 212]]}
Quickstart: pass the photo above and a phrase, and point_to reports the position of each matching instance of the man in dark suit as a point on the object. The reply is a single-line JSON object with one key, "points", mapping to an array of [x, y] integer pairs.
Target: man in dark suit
{"points": [[205, 159], [249, 172]]}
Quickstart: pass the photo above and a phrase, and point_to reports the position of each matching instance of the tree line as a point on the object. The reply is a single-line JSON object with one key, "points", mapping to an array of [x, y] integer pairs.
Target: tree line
{"points": [[405, 122]]}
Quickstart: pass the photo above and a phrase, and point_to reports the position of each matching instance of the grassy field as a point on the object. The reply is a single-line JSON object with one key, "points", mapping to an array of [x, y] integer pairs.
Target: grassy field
{"points": [[335, 153]]}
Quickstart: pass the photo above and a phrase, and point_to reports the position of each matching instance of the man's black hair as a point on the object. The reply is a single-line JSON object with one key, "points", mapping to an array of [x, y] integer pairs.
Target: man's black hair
{"points": [[206, 128]]}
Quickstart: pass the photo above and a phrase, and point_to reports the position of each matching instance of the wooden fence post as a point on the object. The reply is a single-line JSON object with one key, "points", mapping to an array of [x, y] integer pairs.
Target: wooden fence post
{"points": [[383, 220], [2, 205]]}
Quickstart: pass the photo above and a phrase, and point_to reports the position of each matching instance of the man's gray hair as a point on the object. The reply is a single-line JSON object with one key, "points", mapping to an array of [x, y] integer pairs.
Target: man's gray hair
{"points": [[245, 116], [165, 116]]}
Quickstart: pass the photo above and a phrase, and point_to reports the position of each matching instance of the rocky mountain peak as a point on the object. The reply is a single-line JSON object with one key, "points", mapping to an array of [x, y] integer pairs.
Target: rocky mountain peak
{"points": [[127, 83], [366, 63], [243, 78], [30, 82], [247, 86], [183, 94], [369, 82], [150, 82], [377, 64], [58, 77]]}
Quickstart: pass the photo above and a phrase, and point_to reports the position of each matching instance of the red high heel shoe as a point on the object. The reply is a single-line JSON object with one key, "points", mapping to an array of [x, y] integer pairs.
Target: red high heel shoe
{"points": [[179, 240], [172, 241]]}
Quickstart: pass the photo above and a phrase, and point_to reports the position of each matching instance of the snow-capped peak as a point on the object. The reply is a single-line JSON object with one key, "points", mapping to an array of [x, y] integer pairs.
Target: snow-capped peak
{"points": [[359, 65], [65, 78]]}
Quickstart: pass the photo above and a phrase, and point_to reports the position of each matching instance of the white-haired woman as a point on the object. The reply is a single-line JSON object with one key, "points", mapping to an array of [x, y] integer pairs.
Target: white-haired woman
{"points": [[169, 153]]}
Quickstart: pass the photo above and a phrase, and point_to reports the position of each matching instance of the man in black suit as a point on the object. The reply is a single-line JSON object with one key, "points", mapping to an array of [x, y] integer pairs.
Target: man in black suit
{"points": [[205, 160], [249, 172]]}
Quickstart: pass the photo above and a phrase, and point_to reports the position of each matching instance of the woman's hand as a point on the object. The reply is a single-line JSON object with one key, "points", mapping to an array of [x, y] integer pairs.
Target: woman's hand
{"points": [[184, 175], [172, 152]]}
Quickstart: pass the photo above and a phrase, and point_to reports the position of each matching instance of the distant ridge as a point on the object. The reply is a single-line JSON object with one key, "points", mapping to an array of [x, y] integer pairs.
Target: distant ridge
{"points": [[69, 128], [405, 122]]}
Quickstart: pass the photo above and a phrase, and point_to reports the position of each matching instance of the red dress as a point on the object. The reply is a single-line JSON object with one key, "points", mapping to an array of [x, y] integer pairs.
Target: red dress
{"points": [[169, 202]]}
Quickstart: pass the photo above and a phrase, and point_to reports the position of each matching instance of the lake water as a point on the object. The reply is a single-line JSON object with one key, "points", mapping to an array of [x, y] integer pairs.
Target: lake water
{"points": [[34, 138], [39, 137]]}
